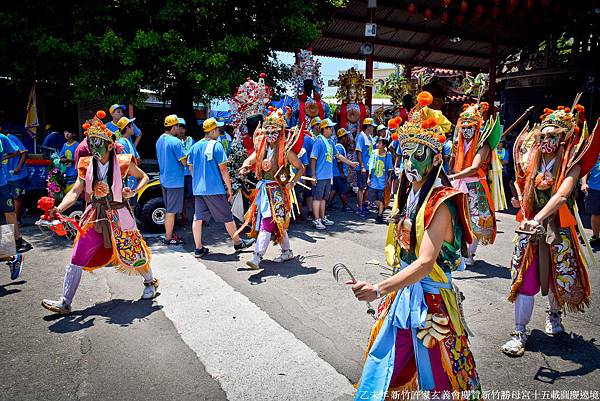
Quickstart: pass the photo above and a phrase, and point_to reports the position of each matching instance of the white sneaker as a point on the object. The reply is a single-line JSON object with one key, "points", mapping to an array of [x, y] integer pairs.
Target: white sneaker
{"points": [[59, 306], [553, 324], [327, 222], [150, 289], [254, 262], [318, 224], [470, 261], [516, 345], [284, 257]]}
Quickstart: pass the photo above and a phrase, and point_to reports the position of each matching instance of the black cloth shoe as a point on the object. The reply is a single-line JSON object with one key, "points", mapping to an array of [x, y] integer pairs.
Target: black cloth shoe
{"points": [[244, 243], [201, 252], [22, 245]]}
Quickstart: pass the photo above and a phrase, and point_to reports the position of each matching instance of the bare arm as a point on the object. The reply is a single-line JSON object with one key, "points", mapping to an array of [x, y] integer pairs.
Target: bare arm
{"points": [[360, 160], [251, 160], [561, 195], [139, 174], [19, 166], [439, 230], [313, 166], [137, 139], [344, 159], [72, 196], [294, 161], [226, 179], [480, 156]]}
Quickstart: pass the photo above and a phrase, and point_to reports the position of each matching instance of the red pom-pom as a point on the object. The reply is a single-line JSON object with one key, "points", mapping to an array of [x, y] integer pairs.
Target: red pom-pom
{"points": [[567, 109], [262, 75], [579, 108], [547, 110], [576, 130], [86, 126], [394, 137], [100, 114], [431, 122], [485, 106], [441, 139], [424, 98], [560, 108], [424, 124]]}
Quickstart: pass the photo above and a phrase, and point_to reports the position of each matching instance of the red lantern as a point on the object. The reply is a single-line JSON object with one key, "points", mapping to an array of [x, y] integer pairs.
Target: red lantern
{"points": [[479, 9], [464, 6], [545, 3], [497, 2], [496, 12], [411, 8], [446, 3], [514, 3], [460, 20], [428, 14], [556, 8], [530, 4], [445, 17]]}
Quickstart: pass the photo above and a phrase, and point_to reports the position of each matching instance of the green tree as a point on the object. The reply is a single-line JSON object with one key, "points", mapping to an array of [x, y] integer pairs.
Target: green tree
{"points": [[184, 50]]}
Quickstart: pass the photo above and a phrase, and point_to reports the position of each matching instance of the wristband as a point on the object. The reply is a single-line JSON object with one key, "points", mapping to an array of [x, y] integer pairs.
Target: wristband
{"points": [[377, 291]]}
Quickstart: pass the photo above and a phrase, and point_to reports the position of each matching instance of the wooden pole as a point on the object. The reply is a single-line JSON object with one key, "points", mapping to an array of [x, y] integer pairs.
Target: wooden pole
{"points": [[369, 67]]}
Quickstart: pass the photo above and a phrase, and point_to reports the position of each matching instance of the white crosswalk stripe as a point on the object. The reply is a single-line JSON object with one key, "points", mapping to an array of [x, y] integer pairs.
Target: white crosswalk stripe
{"points": [[250, 354]]}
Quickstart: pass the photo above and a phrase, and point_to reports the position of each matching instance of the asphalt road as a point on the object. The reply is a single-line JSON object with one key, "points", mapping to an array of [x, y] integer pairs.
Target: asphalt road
{"points": [[220, 331]]}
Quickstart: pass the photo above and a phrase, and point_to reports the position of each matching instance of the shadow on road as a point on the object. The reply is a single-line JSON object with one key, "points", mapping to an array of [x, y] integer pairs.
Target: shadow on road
{"points": [[4, 291], [569, 347], [483, 269], [289, 269], [116, 311]]}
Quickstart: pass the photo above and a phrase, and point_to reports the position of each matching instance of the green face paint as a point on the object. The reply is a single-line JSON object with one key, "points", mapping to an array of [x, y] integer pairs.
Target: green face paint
{"points": [[98, 147], [418, 161]]}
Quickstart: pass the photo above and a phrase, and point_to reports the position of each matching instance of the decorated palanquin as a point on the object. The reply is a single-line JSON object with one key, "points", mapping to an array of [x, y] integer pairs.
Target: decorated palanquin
{"points": [[351, 93], [308, 84], [555, 261], [419, 340], [111, 216]]}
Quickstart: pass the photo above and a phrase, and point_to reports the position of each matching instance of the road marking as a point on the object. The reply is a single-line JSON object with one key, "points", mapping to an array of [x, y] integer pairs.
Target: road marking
{"points": [[250, 354]]}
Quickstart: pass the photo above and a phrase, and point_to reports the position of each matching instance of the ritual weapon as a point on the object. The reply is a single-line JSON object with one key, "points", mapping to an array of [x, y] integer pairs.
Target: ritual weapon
{"points": [[518, 120], [339, 267], [61, 225]]}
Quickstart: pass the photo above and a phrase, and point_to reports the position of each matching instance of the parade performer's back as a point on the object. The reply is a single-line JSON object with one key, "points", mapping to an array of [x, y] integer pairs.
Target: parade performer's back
{"points": [[419, 341]]}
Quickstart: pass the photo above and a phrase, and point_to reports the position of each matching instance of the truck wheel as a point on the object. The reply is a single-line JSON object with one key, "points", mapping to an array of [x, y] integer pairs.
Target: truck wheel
{"points": [[153, 214]]}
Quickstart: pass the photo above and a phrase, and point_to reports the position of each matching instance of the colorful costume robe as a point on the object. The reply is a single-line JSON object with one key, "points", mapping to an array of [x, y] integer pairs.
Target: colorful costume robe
{"points": [[109, 233], [397, 358]]}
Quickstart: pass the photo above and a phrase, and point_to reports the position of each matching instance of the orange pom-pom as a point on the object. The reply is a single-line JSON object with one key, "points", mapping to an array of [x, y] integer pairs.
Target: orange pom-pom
{"points": [[100, 114], [560, 108], [485, 106], [567, 109], [441, 139], [579, 108], [85, 126], [576, 130], [465, 106], [102, 126], [547, 110], [394, 137], [431, 122], [424, 98]]}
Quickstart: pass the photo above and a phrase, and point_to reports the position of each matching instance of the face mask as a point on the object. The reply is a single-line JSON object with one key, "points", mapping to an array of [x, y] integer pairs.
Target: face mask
{"points": [[468, 129], [418, 162], [98, 147], [272, 136], [550, 141]]}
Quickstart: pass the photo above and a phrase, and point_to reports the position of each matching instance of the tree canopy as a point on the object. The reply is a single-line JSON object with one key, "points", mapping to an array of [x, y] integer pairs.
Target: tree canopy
{"points": [[182, 49]]}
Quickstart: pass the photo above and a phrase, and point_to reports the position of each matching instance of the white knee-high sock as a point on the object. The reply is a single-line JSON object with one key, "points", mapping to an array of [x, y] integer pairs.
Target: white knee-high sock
{"points": [[285, 245], [553, 304], [262, 243], [473, 246], [148, 277], [523, 311], [71, 282]]}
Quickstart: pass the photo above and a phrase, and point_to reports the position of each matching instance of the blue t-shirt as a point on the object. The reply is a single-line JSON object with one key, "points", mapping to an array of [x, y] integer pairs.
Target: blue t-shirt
{"points": [[379, 167], [324, 152], [446, 151], [206, 177], [68, 152], [6, 147], [593, 179], [54, 140], [12, 163], [225, 140], [366, 147], [170, 154], [187, 146], [113, 127], [308, 145], [336, 171], [128, 147]]}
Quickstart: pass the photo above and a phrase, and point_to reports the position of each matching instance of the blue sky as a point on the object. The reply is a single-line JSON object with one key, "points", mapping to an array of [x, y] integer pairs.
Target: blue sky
{"points": [[330, 68]]}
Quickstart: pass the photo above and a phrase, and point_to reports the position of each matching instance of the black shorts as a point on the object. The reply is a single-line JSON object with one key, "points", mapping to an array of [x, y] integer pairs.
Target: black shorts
{"points": [[17, 188], [361, 179], [188, 191], [215, 206], [376, 195], [340, 184], [173, 198], [322, 189], [6, 200], [592, 201]]}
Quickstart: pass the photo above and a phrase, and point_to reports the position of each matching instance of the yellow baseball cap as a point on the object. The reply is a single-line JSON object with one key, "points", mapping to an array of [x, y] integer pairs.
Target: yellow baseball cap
{"points": [[369, 121], [341, 132], [315, 121], [116, 106], [210, 124], [327, 123], [171, 120], [123, 121]]}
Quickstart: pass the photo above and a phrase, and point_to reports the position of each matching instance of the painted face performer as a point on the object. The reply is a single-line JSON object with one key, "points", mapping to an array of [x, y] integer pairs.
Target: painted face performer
{"points": [[109, 235], [271, 209], [419, 341], [471, 165], [308, 83], [549, 159]]}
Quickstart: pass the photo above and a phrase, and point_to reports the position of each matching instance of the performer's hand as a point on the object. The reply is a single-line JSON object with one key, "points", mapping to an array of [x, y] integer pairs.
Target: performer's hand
{"points": [[451, 177], [369, 182], [128, 193], [584, 187], [363, 291], [528, 225], [354, 164], [244, 170], [53, 212], [313, 182], [363, 170], [229, 195], [515, 202]]}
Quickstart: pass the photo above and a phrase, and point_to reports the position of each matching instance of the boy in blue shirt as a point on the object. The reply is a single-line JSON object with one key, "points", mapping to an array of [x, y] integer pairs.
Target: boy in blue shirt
{"points": [[322, 155], [212, 187], [171, 163], [8, 150], [590, 185], [364, 149], [340, 171], [67, 156], [380, 167], [17, 174], [116, 112]]}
